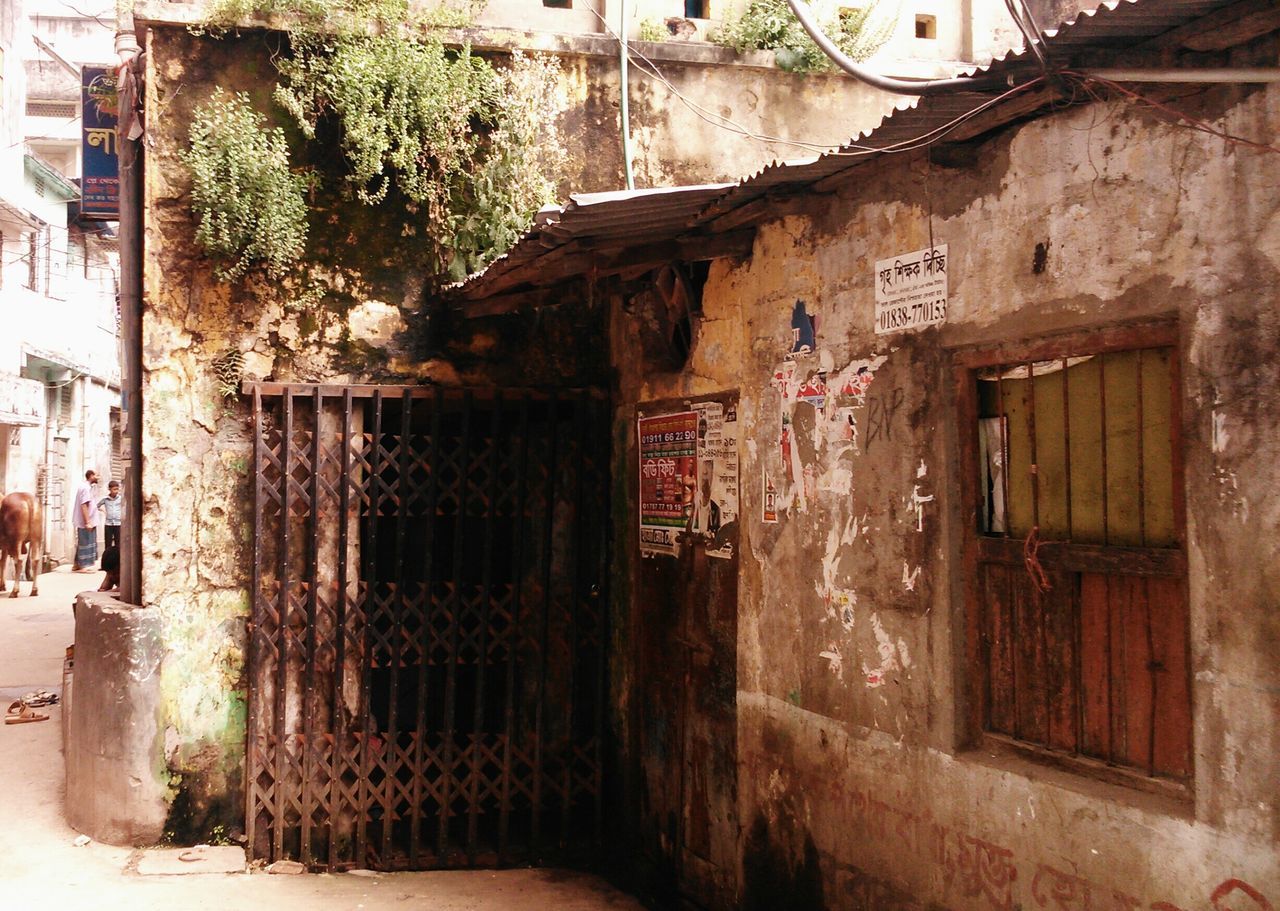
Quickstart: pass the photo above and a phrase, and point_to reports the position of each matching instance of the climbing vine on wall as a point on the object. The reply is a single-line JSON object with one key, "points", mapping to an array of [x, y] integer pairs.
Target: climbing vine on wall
{"points": [[249, 205], [455, 149]]}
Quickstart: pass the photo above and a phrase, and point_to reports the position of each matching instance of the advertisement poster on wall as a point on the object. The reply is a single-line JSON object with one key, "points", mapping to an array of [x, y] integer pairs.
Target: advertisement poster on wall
{"points": [[668, 479], [911, 290], [689, 480]]}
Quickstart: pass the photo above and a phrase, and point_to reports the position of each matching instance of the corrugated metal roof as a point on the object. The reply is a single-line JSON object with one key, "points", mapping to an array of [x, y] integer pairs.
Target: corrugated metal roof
{"points": [[644, 215], [1115, 24], [594, 220]]}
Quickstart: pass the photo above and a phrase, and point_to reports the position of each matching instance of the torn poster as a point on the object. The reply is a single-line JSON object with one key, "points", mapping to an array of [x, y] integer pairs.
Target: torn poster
{"points": [[668, 479], [720, 454], [804, 331]]}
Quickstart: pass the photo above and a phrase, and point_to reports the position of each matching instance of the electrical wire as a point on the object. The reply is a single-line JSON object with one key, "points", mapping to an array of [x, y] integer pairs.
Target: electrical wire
{"points": [[956, 85], [847, 149], [110, 26], [1024, 25], [650, 69], [1031, 19], [1170, 114], [1082, 80], [41, 246], [65, 123]]}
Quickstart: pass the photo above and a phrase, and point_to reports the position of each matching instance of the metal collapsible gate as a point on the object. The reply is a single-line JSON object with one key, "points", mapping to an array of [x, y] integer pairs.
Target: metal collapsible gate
{"points": [[427, 663]]}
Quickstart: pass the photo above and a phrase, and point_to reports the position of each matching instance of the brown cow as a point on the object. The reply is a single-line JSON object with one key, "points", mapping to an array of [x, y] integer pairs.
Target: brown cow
{"points": [[19, 526]]}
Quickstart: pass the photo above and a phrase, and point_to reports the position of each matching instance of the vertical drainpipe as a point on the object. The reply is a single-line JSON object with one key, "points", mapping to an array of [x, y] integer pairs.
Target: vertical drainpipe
{"points": [[966, 30], [626, 109], [131, 239]]}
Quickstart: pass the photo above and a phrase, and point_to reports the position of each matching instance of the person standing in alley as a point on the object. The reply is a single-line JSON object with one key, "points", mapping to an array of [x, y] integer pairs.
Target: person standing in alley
{"points": [[86, 523], [110, 506]]}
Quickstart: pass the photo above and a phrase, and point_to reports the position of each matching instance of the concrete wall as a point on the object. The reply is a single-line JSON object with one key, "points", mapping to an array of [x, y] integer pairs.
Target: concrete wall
{"points": [[856, 787], [113, 792], [368, 326]]}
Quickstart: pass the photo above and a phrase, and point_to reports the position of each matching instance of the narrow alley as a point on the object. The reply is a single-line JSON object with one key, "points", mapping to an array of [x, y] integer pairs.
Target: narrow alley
{"points": [[738, 455], [42, 867]]}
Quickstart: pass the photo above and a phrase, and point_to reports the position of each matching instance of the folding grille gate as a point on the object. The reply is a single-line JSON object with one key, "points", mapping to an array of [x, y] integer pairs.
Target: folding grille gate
{"points": [[427, 643]]}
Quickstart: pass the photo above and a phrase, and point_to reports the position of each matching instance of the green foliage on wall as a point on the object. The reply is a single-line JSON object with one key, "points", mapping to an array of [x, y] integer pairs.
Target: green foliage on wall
{"points": [[653, 30], [451, 147], [250, 207], [770, 25], [336, 16]]}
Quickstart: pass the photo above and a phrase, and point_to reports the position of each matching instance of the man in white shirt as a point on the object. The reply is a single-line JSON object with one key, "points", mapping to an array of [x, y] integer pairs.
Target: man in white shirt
{"points": [[86, 522]]}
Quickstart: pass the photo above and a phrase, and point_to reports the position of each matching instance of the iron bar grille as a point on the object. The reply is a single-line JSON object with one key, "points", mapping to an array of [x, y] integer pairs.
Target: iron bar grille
{"points": [[427, 661]]}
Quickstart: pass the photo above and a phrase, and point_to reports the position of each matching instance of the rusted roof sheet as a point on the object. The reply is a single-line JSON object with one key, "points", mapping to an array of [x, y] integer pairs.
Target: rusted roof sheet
{"points": [[597, 220]]}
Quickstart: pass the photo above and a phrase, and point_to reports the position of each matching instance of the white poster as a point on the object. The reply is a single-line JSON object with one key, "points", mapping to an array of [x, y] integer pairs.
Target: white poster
{"points": [[911, 290], [716, 505]]}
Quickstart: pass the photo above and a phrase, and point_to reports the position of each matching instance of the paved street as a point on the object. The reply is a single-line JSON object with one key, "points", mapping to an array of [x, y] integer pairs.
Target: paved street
{"points": [[41, 868]]}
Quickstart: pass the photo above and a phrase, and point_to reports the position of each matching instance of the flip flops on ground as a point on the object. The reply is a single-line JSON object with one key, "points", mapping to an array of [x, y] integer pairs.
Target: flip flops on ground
{"points": [[37, 698], [22, 714]]}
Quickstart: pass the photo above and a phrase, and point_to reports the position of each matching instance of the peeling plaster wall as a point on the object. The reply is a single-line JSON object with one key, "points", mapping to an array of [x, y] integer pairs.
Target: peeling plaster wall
{"points": [[855, 788]]}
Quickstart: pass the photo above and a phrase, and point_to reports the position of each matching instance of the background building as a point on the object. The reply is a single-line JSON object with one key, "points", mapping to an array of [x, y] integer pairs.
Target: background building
{"points": [[59, 356]]}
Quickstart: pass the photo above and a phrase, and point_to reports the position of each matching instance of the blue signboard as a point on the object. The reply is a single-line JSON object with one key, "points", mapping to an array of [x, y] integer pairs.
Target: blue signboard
{"points": [[100, 183]]}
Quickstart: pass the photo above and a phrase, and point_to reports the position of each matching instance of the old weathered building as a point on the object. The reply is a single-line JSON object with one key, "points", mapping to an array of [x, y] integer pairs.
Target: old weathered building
{"points": [[995, 631], [934, 571]]}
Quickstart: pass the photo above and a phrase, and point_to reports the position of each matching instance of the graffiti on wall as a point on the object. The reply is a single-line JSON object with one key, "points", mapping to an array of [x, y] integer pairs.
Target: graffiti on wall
{"points": [[979, 869]]}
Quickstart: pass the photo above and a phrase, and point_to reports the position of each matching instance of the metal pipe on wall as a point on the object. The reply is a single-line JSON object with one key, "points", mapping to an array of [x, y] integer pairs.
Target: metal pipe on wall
{"points": [[1228, 75], [625, 114], [129, 144]]}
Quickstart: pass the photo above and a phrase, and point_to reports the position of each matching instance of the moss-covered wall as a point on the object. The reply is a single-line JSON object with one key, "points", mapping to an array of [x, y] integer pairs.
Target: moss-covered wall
{"points": [[370, 325]]}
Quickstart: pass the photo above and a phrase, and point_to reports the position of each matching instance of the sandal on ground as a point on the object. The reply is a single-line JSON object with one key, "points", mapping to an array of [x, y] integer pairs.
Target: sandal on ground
{"points": [[23, 715], [39, 698]]}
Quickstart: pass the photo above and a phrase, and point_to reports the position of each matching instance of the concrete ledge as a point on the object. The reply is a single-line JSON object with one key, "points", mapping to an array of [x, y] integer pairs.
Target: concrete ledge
{"points": [[113, 748], [489, 37]]}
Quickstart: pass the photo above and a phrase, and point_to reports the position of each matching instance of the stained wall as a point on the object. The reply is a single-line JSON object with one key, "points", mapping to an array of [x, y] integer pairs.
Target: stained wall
{"points": [[858, 783], [371, 323], [203, 337]]}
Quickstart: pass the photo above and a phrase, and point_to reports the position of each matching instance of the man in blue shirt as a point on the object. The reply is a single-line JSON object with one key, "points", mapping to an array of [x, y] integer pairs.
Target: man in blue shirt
{"points": [[110, 506]]}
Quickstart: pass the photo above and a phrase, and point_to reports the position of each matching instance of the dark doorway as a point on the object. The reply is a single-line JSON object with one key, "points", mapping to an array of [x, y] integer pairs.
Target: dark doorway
{"points": [[684, 624], [427, 662]]}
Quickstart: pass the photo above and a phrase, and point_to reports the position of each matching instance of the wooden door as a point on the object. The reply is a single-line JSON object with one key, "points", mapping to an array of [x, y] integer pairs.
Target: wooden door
{"points": [[685, 627]]}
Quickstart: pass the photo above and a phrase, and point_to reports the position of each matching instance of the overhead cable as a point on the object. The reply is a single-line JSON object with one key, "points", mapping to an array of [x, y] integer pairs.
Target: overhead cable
{"points": [[1018, 9], [890, 83]]}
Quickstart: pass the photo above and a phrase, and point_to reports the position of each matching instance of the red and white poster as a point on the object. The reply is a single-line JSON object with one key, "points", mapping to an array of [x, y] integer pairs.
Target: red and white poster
{"points": [[668, 479]]}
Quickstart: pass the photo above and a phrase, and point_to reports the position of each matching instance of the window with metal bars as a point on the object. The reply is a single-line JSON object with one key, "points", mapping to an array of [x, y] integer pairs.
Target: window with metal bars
{"points": [[1078, 628]]}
